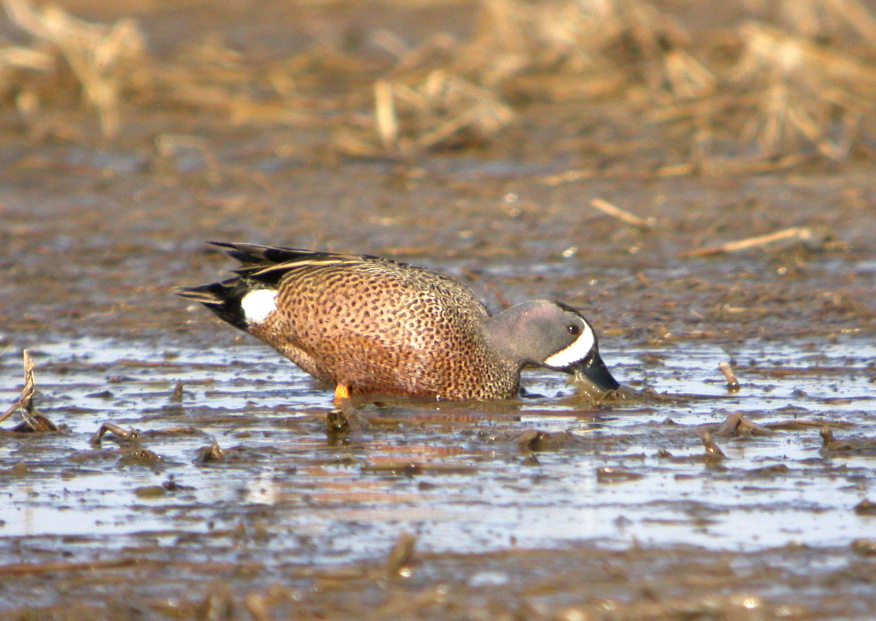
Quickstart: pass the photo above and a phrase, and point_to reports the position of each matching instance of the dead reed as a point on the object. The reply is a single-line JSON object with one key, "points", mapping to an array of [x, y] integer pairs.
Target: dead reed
{"points": [[103, 58], [797, 77]]}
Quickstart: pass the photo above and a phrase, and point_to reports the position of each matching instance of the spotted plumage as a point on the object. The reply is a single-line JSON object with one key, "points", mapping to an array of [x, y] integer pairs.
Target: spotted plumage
{"points": [[375, 326]]}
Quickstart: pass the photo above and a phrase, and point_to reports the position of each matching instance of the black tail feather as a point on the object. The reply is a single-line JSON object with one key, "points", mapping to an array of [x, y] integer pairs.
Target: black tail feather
{"points": [[223, 298], [255, 254], [260, 267]]}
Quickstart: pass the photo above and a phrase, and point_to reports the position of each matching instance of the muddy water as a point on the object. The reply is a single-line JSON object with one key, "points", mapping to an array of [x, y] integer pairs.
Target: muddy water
{"points": [[546, 504], [545, 507], [463, 478]]}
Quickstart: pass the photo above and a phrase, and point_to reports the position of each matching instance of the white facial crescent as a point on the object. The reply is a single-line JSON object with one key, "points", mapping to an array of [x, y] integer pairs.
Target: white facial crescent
{"points": [[575, 352]]}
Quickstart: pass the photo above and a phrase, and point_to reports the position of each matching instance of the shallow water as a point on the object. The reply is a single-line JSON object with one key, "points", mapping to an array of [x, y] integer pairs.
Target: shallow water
{"points": [[461, 477]]}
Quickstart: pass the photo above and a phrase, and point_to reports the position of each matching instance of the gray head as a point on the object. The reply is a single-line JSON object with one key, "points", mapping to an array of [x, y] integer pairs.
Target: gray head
{"points": [[549, 334]]}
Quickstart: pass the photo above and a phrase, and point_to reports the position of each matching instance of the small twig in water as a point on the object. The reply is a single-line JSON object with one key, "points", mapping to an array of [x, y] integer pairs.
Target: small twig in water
{"points": [[801, 233], [737, 425], [33, 419], [177, 395], [25, 399], [727, 370], [114, 429], [713, 451], [624, 216], [399, 559], [210, 454]]}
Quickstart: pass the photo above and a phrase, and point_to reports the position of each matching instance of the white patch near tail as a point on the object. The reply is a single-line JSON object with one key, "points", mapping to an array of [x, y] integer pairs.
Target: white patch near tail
{"points": [[575, 352], [258, 304]]}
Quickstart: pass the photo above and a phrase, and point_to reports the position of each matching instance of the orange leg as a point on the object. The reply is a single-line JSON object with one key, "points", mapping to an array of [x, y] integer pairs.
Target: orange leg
{"points": [[342, 393]]}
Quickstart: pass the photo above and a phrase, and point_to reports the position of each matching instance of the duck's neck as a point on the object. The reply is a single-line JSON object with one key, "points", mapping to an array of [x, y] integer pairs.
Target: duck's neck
{"points": [[506, 337]]}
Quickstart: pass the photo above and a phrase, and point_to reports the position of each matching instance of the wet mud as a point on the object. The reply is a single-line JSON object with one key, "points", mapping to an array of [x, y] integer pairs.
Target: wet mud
{"points": [[195, 474]]}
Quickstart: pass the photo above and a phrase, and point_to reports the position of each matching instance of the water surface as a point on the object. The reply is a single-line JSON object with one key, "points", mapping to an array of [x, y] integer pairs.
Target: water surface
{"points": [[461, 477]]}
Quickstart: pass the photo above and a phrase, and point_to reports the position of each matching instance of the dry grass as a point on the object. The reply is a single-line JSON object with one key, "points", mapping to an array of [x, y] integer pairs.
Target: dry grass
{"points": [[209, 75], [805, 93], [783, 94], [797, 80], [580, 41], [103, 58], [443, 94], [442, 108], [827, 20], [34, 421]]}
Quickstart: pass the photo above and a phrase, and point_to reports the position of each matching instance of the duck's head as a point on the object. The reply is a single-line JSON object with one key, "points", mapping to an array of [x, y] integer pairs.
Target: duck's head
{"points": [[553, 335]]}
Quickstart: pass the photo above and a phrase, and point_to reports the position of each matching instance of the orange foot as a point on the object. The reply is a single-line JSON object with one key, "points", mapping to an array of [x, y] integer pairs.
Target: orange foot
{"points": [[342, 393]]}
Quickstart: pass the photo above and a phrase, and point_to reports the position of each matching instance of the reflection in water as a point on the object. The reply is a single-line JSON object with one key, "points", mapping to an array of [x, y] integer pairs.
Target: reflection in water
{"points": [[463, 477]]}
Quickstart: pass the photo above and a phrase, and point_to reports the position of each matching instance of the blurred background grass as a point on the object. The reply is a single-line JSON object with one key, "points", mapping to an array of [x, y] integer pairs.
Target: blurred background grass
{"points": [[741, 84]]}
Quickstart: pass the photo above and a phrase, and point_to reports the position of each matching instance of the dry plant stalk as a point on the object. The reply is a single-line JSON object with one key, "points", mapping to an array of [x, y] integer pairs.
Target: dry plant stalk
{"points": [[800, 233], [736, 425], [713, 452], [729, 375], [686, 76], [803, 87], [209, 75], [107, 427], [16, 56], [554, 50], [33, 420], [662, 44], [412, 118], [101, 57], [25, 399], [828, 19], [792, 90], [569, 176], [569, 41], [622, 215], [400, 557], [385, 115]]}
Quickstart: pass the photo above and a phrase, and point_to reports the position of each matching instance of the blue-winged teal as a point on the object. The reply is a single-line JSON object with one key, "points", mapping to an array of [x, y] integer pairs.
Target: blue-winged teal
{"points": [[371, 325]]}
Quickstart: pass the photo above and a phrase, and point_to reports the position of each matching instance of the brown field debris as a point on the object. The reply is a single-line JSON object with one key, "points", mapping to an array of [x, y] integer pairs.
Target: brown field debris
{"points": [[785, 80]]}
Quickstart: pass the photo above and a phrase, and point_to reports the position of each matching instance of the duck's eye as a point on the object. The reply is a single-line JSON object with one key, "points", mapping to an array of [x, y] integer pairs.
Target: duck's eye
{"points": [[574, 330]]}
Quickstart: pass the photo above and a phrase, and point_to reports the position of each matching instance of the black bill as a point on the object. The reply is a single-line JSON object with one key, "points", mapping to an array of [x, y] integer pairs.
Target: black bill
{"points": [[594, 369]]}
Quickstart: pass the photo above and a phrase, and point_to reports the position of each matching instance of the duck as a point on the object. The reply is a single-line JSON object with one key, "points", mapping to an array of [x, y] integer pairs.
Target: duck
{"points": [[367, 325]]}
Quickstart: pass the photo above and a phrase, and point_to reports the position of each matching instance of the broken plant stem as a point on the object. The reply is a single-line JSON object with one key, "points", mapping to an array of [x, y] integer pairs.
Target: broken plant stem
{"points": [[727, 370], [32, 418], [624, 216], [801, 233]]}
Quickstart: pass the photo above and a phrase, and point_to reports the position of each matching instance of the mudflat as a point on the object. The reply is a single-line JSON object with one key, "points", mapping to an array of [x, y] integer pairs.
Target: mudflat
{"points": [[698, 180]]}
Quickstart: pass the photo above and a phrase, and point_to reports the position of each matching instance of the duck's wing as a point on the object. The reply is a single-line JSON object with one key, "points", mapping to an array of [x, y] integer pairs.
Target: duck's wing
{"points": [[269, 264]]}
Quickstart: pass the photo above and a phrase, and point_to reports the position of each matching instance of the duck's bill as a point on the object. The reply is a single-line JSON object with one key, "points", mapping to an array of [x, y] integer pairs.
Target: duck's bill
{"points": [[594, 369]]}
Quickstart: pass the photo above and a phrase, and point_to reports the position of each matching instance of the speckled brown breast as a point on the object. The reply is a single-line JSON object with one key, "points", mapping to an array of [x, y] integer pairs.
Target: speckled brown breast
{"points": [[383, 327]]}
